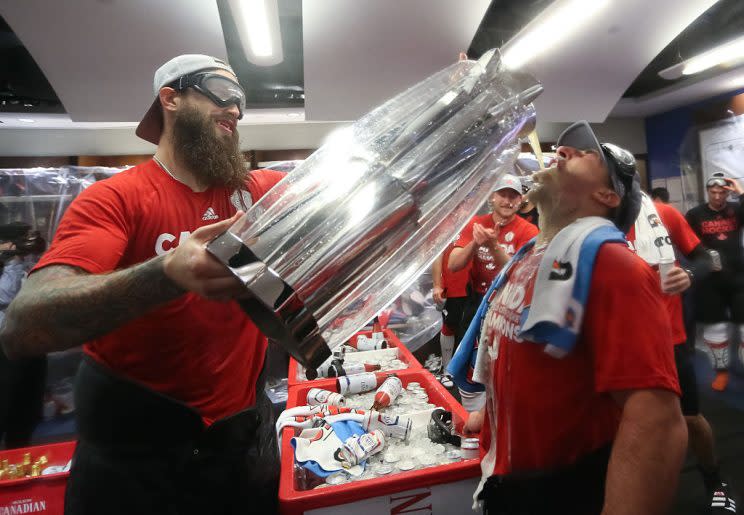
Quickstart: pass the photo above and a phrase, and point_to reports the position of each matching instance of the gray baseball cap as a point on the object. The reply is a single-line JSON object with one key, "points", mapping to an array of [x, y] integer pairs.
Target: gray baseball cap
{"points": [[151, 125], [620, 165], [509, 181]]}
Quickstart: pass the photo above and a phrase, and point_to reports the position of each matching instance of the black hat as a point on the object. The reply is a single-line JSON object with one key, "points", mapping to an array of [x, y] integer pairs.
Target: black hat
{"points": [[620, 164]]}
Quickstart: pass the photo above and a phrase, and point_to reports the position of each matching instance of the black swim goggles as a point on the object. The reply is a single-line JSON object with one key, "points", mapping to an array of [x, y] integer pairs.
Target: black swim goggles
{"points": [[221, 90]]}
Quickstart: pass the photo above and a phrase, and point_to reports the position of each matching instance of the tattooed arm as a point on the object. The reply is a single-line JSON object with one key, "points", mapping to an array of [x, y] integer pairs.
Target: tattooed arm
{"points": [[61, 306]]}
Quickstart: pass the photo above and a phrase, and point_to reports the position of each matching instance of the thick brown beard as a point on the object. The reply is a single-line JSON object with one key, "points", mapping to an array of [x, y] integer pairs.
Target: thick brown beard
{"points": [[214, 161]]}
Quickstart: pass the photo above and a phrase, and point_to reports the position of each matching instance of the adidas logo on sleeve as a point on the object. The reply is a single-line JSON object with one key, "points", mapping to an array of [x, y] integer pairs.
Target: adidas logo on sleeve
{"points": [[209, 214]]}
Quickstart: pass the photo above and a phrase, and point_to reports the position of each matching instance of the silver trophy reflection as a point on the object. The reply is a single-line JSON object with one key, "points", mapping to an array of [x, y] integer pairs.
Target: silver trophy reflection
{"points": [[348, 230]]}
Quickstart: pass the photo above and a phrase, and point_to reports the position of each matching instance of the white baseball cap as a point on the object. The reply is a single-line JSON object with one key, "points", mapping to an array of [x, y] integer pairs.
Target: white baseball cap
{"points": [[151, 125], [509, 181]]}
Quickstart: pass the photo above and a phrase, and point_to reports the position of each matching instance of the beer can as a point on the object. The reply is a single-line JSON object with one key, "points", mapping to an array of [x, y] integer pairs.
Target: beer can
{"points": [[350, 369], [358, 383], [364, 343], [322, 370], [715, 260], [316, 396], [358, 448], [469, 448], [379, 337], [393, 426], [388, 391], [665, 266]]}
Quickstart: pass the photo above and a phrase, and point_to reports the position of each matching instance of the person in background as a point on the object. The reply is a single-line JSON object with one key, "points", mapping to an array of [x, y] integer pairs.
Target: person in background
{"points": [[659, 232], [22, 382], [582, 412], [660, 194], [450, 293], [170, 408], [485, 244], [720, 299], [528, 210]]}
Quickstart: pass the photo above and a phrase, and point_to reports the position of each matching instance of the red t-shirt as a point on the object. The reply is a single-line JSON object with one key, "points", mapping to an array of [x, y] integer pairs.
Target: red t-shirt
{"points": [[511, 237], [685, 239], [455, 284], [207, 354], [550, 411]]}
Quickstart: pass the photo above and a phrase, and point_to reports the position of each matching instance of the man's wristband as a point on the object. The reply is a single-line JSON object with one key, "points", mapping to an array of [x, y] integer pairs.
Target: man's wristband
{"points": [[689, 273]]}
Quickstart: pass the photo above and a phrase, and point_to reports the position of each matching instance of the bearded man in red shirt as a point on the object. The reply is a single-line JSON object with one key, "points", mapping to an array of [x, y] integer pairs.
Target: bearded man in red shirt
{"points": [[169, 398]]}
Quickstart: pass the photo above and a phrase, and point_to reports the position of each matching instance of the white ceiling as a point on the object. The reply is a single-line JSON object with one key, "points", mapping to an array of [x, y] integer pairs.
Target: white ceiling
{"points": [[586, 74], [359, 54], [99, 56], [684, 93]]}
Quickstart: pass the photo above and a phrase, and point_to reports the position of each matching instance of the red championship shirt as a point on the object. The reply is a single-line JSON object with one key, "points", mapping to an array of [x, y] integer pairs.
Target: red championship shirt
{"points": [[207, 354], [511, 237], [684, 239], [455, 284], [551, 411]]}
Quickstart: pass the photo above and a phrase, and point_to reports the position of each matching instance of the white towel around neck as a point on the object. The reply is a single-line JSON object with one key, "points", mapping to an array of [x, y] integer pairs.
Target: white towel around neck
{"points": [[652, 242]]}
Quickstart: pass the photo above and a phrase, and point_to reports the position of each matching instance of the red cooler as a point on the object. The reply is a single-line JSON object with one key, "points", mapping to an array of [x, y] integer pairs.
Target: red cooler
{"points": [[438, 489], [41, 494]]}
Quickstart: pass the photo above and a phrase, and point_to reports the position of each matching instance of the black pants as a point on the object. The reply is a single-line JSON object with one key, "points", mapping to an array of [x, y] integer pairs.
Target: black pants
{"points": [[22, 384], [141, 452], [472, 303], [577, 489], [720, 297], [454, 309]]}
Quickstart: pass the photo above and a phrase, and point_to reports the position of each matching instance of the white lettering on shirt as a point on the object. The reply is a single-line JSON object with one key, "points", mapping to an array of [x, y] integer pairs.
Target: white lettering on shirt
{"points": [[160, 243]]}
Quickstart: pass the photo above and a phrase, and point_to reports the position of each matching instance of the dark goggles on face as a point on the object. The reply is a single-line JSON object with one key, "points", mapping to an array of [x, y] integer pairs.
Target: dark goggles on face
{"points": [[221, 90]]}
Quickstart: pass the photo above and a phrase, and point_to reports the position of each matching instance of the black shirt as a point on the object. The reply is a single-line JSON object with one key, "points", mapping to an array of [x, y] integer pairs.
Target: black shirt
{"points": [[720, 230], [531, 216]]}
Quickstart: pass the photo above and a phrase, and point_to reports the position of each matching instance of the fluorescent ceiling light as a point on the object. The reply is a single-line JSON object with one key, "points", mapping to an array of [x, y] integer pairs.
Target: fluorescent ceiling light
{"points": [[723, 54], [552, 26], [257, 22], [26, 120], [727, 54]]}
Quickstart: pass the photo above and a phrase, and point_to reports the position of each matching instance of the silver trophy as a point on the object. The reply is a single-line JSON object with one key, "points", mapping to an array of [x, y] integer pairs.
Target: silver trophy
{"points": [[348, 230]]}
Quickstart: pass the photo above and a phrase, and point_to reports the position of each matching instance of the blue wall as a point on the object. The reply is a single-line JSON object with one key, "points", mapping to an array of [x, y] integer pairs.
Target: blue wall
{"points": [[665, 133]]}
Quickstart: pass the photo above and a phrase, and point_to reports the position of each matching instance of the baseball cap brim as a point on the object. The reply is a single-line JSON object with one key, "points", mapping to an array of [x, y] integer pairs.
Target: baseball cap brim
{"points": [[502, 188], [581, 136], [509, 182], [151, 125]]}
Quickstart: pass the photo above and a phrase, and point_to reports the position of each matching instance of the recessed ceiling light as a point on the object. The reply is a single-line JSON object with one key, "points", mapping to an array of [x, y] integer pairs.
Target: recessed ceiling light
{"points": [[26, 120], [257, 22]]}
